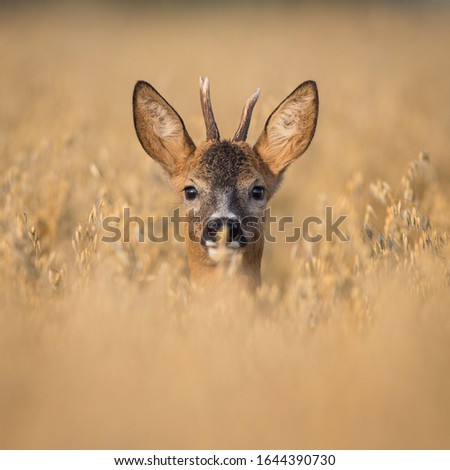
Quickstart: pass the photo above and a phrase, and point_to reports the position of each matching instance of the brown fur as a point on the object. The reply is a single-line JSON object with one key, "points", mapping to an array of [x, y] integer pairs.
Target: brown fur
{"points": [[224, 173]]}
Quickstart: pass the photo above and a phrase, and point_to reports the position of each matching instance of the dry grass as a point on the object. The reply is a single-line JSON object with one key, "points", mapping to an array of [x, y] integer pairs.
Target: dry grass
{"points": [[347, 345]]}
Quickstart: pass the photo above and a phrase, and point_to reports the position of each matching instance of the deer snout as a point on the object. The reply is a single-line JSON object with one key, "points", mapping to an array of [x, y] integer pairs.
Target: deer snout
{"points": [[226, 229]]}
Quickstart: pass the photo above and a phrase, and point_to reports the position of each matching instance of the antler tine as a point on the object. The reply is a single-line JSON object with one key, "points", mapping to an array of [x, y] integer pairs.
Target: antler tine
{"points": [[242, 131], [212, 131]]}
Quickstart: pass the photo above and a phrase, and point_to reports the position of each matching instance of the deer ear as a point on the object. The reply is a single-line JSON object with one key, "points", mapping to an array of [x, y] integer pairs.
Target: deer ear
{"points": [[159, 128], [290, 128]]}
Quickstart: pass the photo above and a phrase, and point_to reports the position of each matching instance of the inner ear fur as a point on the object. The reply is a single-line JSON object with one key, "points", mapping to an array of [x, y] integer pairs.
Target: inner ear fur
{"points": [[159, 128], [290, 128]]}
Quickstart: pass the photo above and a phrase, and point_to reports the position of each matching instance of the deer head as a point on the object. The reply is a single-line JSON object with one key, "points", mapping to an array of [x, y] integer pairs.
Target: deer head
{"points": [[225, 184]]}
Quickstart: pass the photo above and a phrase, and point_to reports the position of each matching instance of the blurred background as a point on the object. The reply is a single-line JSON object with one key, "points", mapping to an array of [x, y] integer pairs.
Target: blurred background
{"points": [[344, 346]]}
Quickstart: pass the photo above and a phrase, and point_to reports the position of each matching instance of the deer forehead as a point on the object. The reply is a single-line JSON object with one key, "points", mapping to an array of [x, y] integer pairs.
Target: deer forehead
{"points": [[226, 166]]}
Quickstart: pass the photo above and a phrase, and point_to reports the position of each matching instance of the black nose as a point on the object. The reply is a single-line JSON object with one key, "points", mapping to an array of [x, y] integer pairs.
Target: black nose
{"points": [[234, 232], [215, 227]]}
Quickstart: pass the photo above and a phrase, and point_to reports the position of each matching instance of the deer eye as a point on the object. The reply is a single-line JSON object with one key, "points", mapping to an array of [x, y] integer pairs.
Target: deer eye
{"points": [[190, 193], [258, 193]]}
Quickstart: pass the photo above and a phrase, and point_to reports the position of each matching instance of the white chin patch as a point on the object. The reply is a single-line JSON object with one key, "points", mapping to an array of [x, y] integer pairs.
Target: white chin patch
{"points": [[223, 253]]}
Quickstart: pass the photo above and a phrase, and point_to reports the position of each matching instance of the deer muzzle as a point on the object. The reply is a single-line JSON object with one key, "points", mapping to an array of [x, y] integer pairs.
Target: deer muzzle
{"points": [[223, 231]]}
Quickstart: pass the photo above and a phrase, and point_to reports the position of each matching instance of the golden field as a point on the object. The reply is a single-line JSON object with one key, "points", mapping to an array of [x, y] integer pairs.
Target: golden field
{"points": [[346, 344]]}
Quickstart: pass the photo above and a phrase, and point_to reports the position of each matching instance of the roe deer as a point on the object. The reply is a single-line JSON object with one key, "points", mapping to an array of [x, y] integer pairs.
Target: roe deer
{"points": [[225, 184]]}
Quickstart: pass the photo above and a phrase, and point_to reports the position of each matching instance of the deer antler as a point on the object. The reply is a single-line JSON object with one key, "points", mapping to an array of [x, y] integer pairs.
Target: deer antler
{"points": [[241, 133], [212, 131]]}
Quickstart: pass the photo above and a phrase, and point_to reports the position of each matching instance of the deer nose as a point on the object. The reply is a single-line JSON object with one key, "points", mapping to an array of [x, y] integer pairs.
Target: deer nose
{"points": [[234, 230], [217, 227]]}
